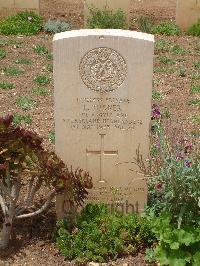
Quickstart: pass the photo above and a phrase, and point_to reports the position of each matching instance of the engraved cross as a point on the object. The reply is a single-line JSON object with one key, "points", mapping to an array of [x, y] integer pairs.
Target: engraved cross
{"points": [[102, 152]]}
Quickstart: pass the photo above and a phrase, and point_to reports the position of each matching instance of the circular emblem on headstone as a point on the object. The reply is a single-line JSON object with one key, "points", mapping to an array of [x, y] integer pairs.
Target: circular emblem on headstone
{"points": [[103, 69]]}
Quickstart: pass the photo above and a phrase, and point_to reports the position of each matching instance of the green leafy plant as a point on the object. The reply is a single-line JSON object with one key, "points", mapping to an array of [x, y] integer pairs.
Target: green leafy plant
{"points": [[14, 43], [166, 60], [41, 80], [40, 49], [167, 28], [101, 235], [25, 168], [23, 61], [106, 19], [194, 102], [4, 85], [177, 246], [25, 102], [182, 71], [13, 71], [19, 119], [50, 56], [24, 23], [197, 64], [178, 50], [40, 91], [56, 26], [163, 70], [2, 54], [50, 67], [196, 120], [195, 29], [195, 89], [51, 137], [162, 46], [157, 96]]}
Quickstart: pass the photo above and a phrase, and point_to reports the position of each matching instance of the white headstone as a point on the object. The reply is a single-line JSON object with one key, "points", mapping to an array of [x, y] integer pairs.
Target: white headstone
{"points": [[11, 7], [103, 88], [187, 13]]}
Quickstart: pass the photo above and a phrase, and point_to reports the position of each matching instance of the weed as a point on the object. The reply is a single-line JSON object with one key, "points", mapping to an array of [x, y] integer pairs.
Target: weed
{"points": [[23, 61], [157, 96], [4, 85], [24, 23], [177, 49], [50, 56], [13, 71], [42, 80], [165, 112], [196, 120], [197, 64], [56, 26], [162, 46], [16, 44], [182, 71], [195, 89], [25, 102], [166, 60], [21, 119], [2, 54], [195, 75], [51, 137], [40, 49], [194, 102], [50, 67], [106, 19], [167, 28], [40, 91], [163, 70], [145, 24]]}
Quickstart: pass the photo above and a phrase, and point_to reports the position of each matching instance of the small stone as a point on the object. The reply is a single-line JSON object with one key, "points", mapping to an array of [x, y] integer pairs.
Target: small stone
{"points": [[93, 264]]}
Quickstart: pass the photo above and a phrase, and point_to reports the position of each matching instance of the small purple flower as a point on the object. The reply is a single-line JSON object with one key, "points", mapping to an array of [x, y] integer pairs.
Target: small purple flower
{"points": [[158, 186], [188, 163], [156, 113], [180, 156]]}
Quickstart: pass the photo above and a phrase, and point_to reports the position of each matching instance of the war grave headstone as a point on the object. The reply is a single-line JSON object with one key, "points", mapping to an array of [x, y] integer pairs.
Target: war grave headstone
{"points": [[103, 89], [187, 13], [109, 4], [11, 7]]}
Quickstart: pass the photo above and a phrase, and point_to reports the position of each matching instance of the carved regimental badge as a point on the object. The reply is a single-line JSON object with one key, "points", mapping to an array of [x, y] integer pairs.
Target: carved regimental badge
{"points": [[103, 69]]}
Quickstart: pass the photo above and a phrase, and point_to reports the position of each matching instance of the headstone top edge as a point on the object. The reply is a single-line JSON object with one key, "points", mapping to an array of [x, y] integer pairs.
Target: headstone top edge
{"points": [[104, 32]]}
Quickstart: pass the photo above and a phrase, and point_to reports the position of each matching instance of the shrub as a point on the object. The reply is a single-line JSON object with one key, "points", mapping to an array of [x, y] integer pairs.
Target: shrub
{"points": [[56, 26], [24, 23], [25, 167], [195, 29], [101, 235], [175, 187], [106, 19], [167, 28]]}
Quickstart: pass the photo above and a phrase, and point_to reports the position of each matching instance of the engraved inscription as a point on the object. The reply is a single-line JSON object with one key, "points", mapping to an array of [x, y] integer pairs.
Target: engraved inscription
{"points": [[103, 113], [103, 69]]}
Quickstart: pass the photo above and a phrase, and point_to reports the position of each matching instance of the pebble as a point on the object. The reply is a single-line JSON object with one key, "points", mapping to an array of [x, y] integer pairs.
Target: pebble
{"points": [[93, 264]]}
